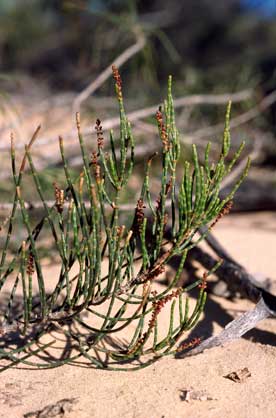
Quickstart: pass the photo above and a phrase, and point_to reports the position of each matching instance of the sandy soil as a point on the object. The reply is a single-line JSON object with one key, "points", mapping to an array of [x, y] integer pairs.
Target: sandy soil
{"points": [[159, 391]]}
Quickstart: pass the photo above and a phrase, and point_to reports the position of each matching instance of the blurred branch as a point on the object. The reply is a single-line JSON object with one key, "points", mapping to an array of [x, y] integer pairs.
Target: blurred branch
{"points": [[239, 120], [50, 203], [118, 62], [196, 99], [236, 172], [140, 152]]}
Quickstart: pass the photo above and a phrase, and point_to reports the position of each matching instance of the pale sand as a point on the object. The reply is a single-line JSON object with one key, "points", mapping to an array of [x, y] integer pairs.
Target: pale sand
{"points": [[155, 392]]}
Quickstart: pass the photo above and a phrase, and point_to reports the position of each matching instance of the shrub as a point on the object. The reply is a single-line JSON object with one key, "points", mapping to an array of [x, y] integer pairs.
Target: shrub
{"points": [[92, 308]]}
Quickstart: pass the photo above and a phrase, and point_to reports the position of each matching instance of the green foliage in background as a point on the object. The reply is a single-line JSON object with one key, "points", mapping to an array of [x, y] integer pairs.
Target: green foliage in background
{"points": [[209, 47]]}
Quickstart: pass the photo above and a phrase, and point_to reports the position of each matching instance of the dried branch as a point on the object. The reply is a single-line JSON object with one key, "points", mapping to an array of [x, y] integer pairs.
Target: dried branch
{"points": [[235, 329], [36, 205], [196, 99], [245, 117], [118, 62], [111, 123], [233, 274], [236, 172]]}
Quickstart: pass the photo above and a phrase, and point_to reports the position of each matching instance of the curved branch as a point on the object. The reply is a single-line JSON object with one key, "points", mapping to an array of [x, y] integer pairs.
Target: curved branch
{"points": [[235, 329], [118, 62]]}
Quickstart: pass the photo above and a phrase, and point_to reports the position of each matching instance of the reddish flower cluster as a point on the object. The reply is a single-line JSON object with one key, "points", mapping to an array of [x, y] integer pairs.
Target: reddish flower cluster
{"points": [[150, 275], [155, 272], [159, 304], [30, 265], [59, 197], [162, 129], [96, 166], [118, 82], [190, 344], [224, 211], [99, 131], [203, 284], [158, 203], [139, 215], [137, 345]]}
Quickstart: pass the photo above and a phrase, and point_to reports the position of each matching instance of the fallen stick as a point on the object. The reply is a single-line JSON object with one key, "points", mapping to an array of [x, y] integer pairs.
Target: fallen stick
{"points": [[245, 117], [235, 329], [234, 275]]}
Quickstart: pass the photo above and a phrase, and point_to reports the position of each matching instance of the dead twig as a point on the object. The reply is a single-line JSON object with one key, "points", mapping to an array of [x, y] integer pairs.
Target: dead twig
{"points": [[235, 329], [236, 172], [111, 123], [39, 205], [118, 62], [245, 117], [196, 99], [236, 277]]}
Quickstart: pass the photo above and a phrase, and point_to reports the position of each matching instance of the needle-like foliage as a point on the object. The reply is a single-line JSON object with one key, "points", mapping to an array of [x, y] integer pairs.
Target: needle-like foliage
{"points": [[106, 283]]}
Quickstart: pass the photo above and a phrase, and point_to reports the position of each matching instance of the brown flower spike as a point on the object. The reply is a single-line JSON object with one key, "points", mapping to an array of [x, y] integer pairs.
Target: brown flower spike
{"points": [[99, 131], [162, 129], [118, 82], [224, 211], [59, 197]]}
